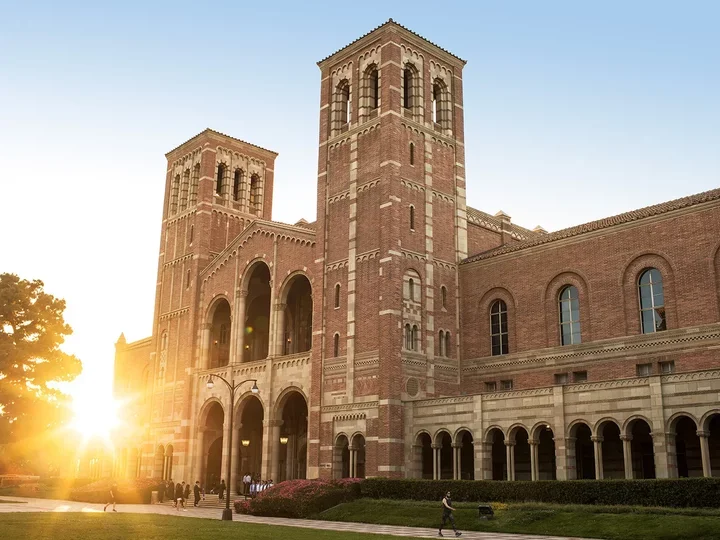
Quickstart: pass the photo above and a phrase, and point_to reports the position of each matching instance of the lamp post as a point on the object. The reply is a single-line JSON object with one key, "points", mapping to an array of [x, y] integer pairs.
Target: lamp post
{"points": [[227, 513]]}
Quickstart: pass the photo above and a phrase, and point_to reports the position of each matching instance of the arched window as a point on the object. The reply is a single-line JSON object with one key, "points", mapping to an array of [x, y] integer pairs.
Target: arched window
{"points": [[443, 297], [220, 177], [499, 328], [184, 190], [408, 338], [187, 280], [652, 301], [441, 343], [194, 185], [441, 104], [336, 345], [224, 334], [192, 234], [174, 188], [254, 194], [410, 83], [341, 106], [237, 184], [569, 316], [337, 295], [411, 290], [415, 338], [447, 345], [412, 153], [373, 81], [412, 218]]}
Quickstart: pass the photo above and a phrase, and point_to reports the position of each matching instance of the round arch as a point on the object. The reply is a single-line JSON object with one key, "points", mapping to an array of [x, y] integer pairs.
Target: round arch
{"points": [[247, 273], [490, 432], [628, 424], [295, 320], [255, 286], [602, 423], [291, 408], [206, 407], [704, 423], [582, 453], [439, 434], [551, 298], [673, 420], [631, 273], [515, 429], [538, 427], [484, 342], [457, 436], [341, 456]]}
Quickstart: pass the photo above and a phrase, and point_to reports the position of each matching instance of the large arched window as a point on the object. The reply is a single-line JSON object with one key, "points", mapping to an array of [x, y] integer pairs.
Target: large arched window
{"points": [[255, 203], [444, 344], [220, 179], [441, 104], [341, 107], [411, 289], [415, 338], [499, 328], [569, 316], [369, 93], [652, 301], [174, 190]]}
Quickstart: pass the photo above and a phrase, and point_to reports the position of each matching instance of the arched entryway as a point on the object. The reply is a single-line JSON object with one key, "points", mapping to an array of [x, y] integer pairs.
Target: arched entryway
{"points": [[168, 467], [546, 464], [341, 457], [712, 430], [357, 456], [249, 443], [257, 314], [520, 454], [466, 455], [159, 465], [423, 456], [212, 444], [293, 436], [687, 447], [496, 456], [444, 456], [584, 452], [642, 455], [613, 464], [297, 327], [220, 334]]}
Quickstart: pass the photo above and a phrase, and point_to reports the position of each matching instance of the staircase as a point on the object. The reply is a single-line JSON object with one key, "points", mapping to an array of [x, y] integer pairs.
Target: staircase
{"points": [[211, 501]]}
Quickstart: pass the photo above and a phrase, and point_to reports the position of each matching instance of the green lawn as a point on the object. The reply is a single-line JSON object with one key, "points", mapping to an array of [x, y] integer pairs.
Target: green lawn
{"points": [[616, 523], [111, 526]]}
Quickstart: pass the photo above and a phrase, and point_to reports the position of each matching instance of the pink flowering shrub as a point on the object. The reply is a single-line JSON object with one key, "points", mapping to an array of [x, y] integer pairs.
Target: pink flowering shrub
{"points": [[300, 498], [133, 491]]}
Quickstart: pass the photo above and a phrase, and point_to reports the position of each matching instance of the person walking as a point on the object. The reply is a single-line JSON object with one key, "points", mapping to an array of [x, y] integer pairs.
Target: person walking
{"points": [[186, 493], [113, 497], [170, 490], [447, 515], [196, 493], [221, 490], [178, 496]]}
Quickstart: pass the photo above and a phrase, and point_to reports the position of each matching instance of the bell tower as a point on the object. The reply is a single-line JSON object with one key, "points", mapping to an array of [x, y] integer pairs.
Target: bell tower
{"points": [[392, 226]]}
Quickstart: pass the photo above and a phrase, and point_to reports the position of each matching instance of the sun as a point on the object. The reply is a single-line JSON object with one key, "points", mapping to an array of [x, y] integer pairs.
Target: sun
{"points": [[95, 415]]}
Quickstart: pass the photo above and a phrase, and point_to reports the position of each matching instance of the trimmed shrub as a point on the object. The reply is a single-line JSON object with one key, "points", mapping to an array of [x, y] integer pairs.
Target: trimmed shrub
{"points": [[134, 491], [681, 492], [299, 498]]}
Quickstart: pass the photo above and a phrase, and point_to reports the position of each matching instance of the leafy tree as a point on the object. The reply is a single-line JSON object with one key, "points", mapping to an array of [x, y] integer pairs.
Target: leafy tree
{"points": [[32, 328]]}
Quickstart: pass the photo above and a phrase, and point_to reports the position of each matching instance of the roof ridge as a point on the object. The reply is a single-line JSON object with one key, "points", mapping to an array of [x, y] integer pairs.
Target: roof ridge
{"points": [[391, 21], [215, 132], [603, 223]]}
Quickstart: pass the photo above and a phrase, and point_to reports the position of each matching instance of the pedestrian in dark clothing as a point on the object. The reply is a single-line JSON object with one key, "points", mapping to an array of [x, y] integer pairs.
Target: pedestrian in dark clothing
{"points": [[178, 496], [196, 493], [186, 495], [447, 515], [113, 497], [221, 490], [170, 490]]}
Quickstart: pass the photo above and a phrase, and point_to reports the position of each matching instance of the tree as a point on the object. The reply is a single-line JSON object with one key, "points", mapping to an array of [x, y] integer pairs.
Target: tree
{"points": [[32, 329]]}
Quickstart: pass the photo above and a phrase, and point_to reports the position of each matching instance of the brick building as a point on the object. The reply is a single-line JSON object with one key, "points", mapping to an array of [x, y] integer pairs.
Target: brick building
{"points": [[405, 334]]}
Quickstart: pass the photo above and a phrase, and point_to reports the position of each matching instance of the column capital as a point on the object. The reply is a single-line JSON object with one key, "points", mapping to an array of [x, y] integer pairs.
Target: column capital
{"points": [[435, 446], [241, 293], [510, 443], [626, 437], [279, 306], [353, 448], [702, 434], [597, 438], [533, 442], [457, 445]]}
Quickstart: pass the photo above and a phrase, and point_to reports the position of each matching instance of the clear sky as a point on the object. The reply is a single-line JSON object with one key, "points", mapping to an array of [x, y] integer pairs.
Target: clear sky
{"points": [[574, 111]]}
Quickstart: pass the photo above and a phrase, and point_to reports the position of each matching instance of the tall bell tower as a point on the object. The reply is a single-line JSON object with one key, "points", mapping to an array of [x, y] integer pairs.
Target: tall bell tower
{"points": [[392, 229]]}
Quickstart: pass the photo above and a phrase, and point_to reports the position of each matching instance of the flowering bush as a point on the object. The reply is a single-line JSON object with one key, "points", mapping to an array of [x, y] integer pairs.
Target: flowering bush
{"points": [[300, 498], [134, 491]]}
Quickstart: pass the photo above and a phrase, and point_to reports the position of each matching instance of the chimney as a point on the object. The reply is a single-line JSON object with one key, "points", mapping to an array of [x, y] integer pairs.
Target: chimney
{"points": [[505, 227]]}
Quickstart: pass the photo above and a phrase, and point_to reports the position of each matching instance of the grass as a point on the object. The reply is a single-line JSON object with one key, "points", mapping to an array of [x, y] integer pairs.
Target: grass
{"points": [[110, 526], [608, 522], [41, 492]]}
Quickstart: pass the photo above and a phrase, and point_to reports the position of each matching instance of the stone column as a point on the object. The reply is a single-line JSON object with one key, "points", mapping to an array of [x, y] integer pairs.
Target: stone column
{"points": [[457, 467], [570, 454], [665, 454], [705, 452], [274, 446], [417, 463], [198, 465], [290, 458], [510, 458], [205, 346], [534, 466], [277, 330], [232, 484], [353, 461], [436, 461], [486, 471], [597, 442], [627, 456], [227, 435], [236, 351]]}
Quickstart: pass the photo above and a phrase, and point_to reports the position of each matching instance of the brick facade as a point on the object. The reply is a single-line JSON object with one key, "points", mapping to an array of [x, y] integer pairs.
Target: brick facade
{"points": [[369, 331]]}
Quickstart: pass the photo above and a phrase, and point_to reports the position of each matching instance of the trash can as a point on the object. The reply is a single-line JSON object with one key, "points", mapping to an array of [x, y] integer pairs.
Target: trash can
{"points": [[154, 497], [485, 511]]}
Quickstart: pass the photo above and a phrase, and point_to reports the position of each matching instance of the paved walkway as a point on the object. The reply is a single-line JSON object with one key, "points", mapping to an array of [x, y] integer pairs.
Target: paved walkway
{"points": [[49, 505]]}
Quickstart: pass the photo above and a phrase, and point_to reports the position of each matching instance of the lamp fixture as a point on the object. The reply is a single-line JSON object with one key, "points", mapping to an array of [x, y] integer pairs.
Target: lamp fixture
{"points": [[283, 440], [254, 388], [246, 442], [210, 383]]}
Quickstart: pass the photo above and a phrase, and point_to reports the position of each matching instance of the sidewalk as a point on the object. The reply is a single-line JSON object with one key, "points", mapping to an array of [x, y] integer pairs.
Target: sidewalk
{"points": [[49, 505]]}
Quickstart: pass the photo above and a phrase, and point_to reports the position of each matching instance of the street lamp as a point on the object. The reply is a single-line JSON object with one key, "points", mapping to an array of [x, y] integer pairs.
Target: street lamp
{"points": [[227, 513]]}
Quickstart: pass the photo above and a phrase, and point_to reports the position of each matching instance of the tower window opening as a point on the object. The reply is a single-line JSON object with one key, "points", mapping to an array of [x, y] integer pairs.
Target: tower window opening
{"points": [[412, 153], [220, 177], [407, 88], [336, 345], [411, 290], [192, 234], [237, 184], [254, 194], [412, 218], [187, 280], [374, 89], [337, 295], [443, 296], [441, 104]]}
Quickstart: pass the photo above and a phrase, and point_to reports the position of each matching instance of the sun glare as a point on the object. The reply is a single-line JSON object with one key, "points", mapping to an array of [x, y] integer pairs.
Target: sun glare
{"points": [[95, 415]]}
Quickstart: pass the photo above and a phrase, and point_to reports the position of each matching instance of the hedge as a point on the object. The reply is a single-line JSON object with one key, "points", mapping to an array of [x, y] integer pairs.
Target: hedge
{"points": [[134, 491], [682, 492], [299, 498]]}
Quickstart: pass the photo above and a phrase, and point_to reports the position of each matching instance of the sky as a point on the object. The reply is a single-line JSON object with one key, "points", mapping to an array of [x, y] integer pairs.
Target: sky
{"points": [[573, 111]]}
